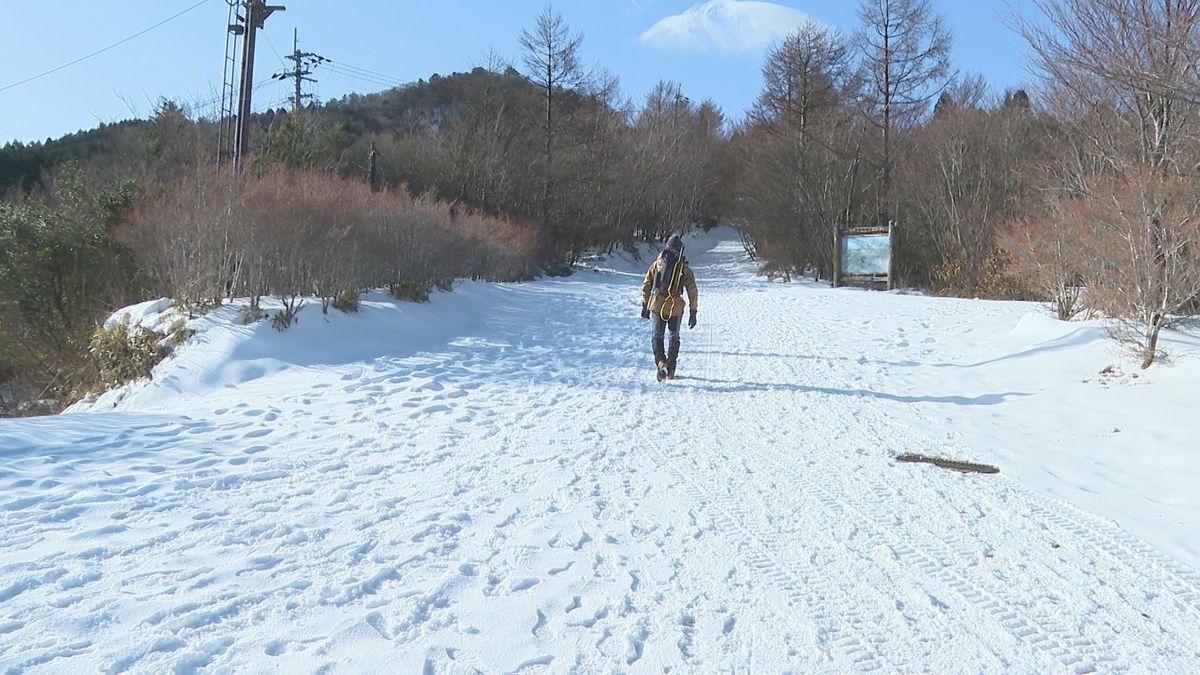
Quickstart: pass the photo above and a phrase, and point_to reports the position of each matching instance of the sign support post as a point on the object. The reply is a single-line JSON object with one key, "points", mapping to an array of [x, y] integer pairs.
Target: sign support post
{"points": [[837, 256]]}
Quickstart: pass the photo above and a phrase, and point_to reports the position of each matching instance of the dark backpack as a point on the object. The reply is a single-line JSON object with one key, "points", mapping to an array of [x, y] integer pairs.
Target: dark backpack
{"points": [[669, 274]]}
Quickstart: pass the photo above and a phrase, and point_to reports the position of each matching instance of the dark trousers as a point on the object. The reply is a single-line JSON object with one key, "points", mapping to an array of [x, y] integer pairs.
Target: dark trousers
{"points": [[660, 329]]}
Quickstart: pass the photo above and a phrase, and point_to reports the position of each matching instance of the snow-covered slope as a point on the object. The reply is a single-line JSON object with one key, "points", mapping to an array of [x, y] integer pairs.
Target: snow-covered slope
{"points": [[494, 481]]}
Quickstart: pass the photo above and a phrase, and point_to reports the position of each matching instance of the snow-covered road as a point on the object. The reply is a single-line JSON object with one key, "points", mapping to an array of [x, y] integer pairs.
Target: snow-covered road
{"points": [[496, 482]]}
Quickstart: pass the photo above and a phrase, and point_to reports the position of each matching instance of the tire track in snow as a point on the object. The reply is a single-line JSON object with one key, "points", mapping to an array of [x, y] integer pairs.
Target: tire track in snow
{"points": [[935, 559], [932, 558], [1094, 647], [1103, 536], [1179, 580], [915, 558], [1099, 536], [1055, 641], [1103, 540], [807, 586]]}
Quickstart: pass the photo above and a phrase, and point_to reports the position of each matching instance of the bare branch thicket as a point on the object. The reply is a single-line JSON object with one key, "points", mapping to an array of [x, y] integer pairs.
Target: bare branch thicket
{"points": [[298, 234], [592, 159], [1046, 253], [967, 175], [658, 149], [1135, 57], [970, 90], [486, 140], [285, 215], [709, 135], [673, 145], [1121, 77], [182, 236], [1143, 253]]}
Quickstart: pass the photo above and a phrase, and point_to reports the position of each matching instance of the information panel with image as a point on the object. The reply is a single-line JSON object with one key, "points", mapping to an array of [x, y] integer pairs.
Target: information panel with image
{"points": [[866, 255]]}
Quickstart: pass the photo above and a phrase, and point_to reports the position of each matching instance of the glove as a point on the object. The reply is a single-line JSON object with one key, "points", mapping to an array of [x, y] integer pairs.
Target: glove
{"points": [[645, 311], [691, 320]]}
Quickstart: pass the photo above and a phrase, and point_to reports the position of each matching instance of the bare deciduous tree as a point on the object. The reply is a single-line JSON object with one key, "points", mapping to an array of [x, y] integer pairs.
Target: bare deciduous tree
{"points": [[1046, 253], [905, 49], [1143, 252], [799, 152], [673, 145], [803, 74], [962, 180], [552, 64], [1135, 57]]}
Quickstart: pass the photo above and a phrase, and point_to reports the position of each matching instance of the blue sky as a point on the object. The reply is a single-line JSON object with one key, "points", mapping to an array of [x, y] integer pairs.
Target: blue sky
{"points": [[716, 53]]}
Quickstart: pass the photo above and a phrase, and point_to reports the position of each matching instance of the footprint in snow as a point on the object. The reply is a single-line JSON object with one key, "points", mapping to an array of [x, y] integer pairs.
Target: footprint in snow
{"points": [[524, 584]]}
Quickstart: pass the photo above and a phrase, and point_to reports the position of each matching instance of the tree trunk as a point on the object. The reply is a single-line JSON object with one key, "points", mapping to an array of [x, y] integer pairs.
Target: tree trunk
{"points": [[1150, 349]]}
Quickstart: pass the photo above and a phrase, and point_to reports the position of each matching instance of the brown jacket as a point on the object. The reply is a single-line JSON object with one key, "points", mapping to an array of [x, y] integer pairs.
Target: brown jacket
{"points": [[669, 305]]}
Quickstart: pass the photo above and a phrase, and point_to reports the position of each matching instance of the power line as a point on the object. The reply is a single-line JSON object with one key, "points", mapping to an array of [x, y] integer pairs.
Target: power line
{"points": [[364, 75], [273, 49], [368, 80], [101, 51], [365, 71], [83, 135], [362, 53]]}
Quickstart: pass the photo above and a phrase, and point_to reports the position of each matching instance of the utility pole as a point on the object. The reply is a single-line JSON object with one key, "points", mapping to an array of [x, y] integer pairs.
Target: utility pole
{"points": [[371, 176], [256, 13], [303, 63]]}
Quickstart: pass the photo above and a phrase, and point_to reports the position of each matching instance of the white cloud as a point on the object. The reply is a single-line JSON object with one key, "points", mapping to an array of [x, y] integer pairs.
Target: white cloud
{"points": [[731, 26]]}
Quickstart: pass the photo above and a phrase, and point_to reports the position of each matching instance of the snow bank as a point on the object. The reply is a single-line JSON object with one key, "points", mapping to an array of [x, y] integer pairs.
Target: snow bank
{"points": [[150, 315]]}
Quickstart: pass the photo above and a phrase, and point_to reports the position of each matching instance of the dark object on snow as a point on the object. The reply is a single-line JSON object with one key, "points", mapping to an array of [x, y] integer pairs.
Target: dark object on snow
{"points": [[952, 464]]}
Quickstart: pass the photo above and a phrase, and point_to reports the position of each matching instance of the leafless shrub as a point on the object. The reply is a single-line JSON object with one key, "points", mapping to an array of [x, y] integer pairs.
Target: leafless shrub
{"points": [[299, 234], [1045, 252], [183, 235]]}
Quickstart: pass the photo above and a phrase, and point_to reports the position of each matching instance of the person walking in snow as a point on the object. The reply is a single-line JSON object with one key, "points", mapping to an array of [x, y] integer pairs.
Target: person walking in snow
{"points": [[662, 299]]}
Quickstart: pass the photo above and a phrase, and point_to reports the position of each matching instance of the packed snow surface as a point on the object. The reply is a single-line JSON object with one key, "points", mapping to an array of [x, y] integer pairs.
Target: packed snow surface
{"points": [[495, 481]]}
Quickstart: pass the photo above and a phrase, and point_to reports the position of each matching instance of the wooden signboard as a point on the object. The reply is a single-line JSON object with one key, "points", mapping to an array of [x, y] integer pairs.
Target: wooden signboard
{"points": [[864, 255]]}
